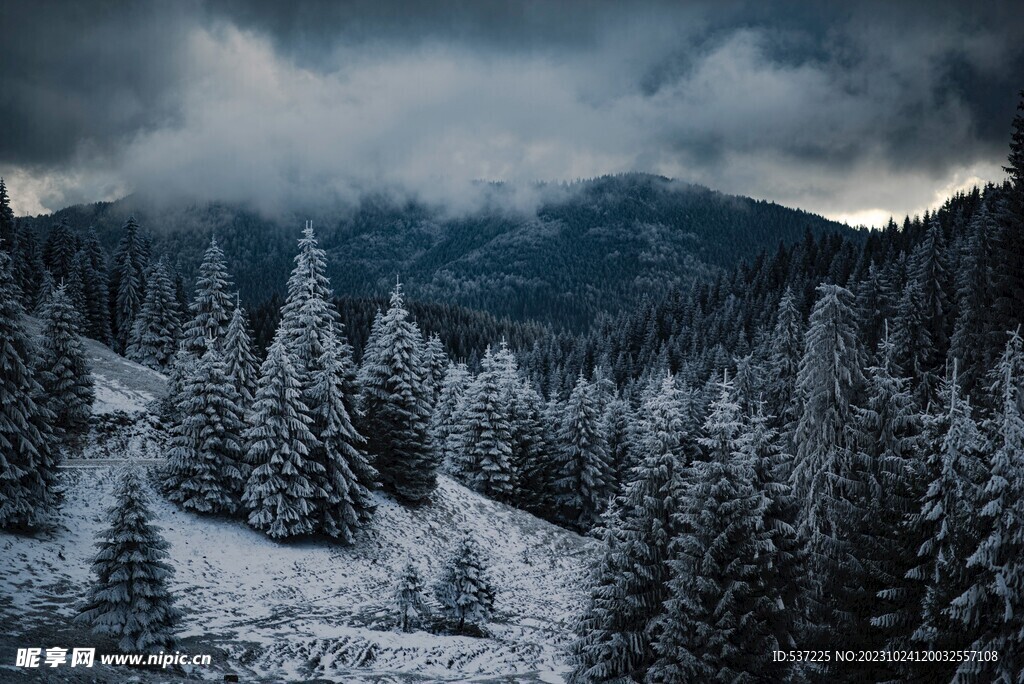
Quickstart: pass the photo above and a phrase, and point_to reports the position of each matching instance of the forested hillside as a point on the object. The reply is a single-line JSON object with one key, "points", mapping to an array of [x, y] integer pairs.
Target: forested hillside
{"points": [[591, 246]]}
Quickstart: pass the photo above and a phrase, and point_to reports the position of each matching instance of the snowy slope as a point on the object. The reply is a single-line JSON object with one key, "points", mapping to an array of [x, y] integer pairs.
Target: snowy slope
{"points": [[309, 610]]}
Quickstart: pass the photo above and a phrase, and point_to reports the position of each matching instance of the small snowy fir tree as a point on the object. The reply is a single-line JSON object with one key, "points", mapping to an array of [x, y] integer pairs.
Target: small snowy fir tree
{"points": [[62, 369], [27, 446], [464, 589], [784, 355], [993, 605], [206, 470], [239, 361], [446, 417], [395, 406], [280, 494], [347, 476], [485, 463], [409, 603], [157, 327], [584, 482], [210, 309], [720, 618], [528, 443], [130, 599]]}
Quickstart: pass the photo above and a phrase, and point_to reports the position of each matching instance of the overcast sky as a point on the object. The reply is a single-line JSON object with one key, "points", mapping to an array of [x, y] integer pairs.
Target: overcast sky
{"points": [[856, 112]]}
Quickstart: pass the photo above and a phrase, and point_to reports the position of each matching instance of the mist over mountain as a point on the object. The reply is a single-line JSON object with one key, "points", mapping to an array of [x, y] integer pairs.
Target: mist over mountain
{"points": [[561, 256]]}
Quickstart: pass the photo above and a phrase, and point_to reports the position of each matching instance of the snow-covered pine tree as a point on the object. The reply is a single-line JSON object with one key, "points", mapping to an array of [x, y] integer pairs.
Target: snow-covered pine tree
{"points": [[347, 477], [128, 282], [485, 463], [464, 588], [973, 331], [206, 468], [435, 362], [584, 472], [946, 524], [43, 294], [97, 292], [597, 632], [720, 619], [647, 527], [62, 370], [130, 599], [409, 604], [210, 309], [888, 424], [786, 579], [446, 416], [932, 281], [307, 317], [157, 326], [786, 349], [239, 362], [28, 449], [395, 406], [528, 445], [615, 423], [280, 493], [59, 251], [827, 467], [181, 367], [992, 608]]}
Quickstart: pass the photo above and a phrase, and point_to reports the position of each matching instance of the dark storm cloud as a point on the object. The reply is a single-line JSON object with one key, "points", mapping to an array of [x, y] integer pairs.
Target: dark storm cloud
{"points": [[837, 108]]}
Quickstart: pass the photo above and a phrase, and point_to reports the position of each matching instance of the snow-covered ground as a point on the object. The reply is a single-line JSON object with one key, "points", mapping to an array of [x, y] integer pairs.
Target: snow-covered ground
{"points": [[310, 610]]}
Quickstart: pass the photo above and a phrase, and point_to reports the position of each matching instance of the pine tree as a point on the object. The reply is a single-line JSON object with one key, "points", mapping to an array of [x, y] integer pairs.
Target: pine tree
{"points": [[786, 349], [1008, 267], [827, 469], [96, 289], [993, 605], [971, 343], [615, 423], [206, 469], [239, 361], [307, 317], [891, 475], [211, 307], [62, 370], [128, 282], [598, 634], [59, 251], [647, 527], [346, 475], [435, 362], [446, 416], [485, 463], [720, 620], [157, 328], [409, 603], [395, 406], [584, 472], [130, 599], [529, 446], [28, 454], [281, 493], [464, 588], [946, 524]]}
